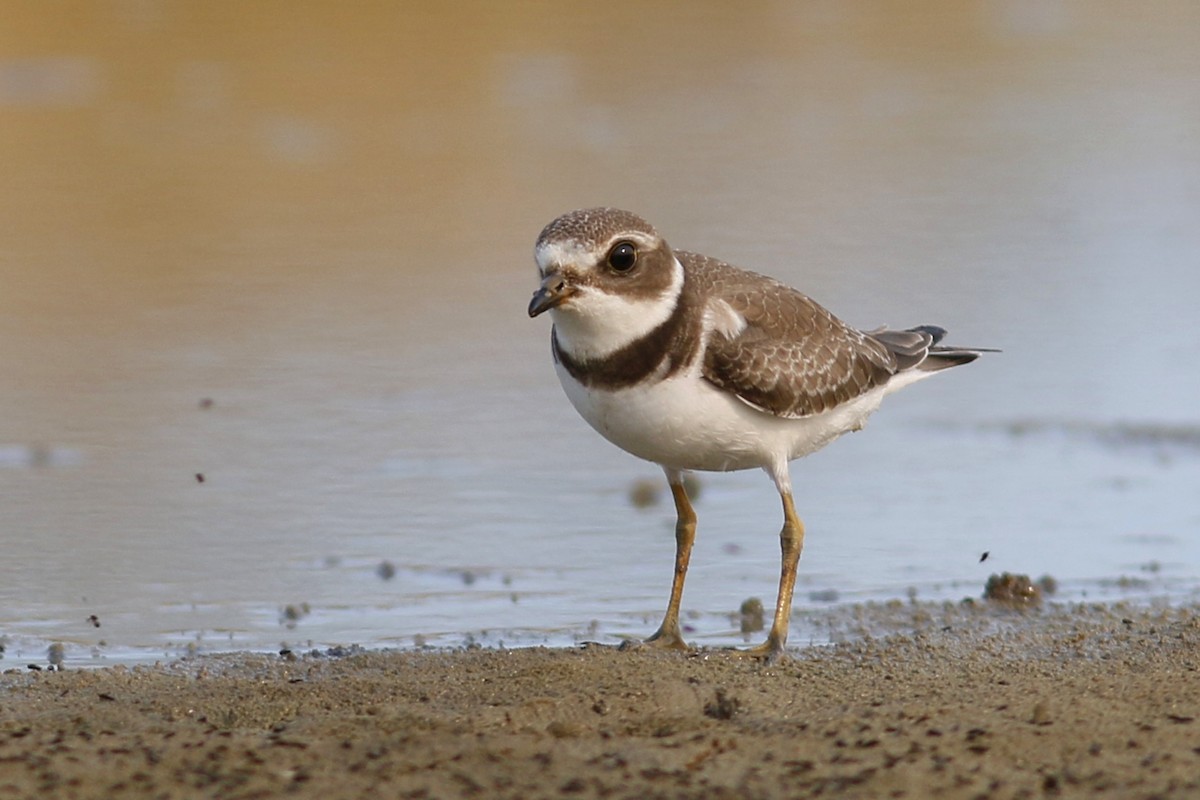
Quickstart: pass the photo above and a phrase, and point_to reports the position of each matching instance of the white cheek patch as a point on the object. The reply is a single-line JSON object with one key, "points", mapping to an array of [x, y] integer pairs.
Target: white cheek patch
{"points": [[595, 323]]}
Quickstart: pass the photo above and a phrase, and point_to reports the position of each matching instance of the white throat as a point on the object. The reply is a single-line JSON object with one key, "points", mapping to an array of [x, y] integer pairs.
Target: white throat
{"points": [[595, 323]]}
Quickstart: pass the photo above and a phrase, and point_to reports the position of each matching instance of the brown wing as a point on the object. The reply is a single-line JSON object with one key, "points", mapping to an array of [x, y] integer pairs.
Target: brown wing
{"points": [[793, 358]]}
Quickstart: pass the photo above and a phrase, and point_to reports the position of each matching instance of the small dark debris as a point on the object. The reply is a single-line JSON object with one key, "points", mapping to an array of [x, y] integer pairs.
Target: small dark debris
{"points": [[386, 570], [722, 707], [206, 402], [94, 620], [106, 697], [55, 654], [1179, 718], [278, 742], [562, 729], [199, 477], [291, 614], [35, 667], [984, 557], [1015, 591], [644, 493], [752, 615]]}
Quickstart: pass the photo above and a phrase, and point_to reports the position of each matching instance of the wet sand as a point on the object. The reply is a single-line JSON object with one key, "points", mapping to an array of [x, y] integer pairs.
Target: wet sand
{"points": [[956, 701]]}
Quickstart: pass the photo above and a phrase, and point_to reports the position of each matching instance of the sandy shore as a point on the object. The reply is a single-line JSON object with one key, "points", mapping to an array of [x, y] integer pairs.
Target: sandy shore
{"points": [[1068, 701]]}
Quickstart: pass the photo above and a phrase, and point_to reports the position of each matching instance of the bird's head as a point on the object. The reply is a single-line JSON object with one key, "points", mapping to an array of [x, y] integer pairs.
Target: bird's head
{"points": [[607, 278]]}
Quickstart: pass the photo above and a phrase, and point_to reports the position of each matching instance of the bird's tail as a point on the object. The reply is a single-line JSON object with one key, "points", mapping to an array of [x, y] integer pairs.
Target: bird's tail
{"points": [[918, 348]]}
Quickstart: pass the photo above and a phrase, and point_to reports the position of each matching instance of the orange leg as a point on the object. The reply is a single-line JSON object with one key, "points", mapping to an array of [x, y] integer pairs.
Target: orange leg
{"points": [[791, 540], [668, 634]]}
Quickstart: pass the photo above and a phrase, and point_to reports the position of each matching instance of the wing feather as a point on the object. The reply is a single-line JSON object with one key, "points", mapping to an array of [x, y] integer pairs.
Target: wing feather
{"points": [[792, 358]]}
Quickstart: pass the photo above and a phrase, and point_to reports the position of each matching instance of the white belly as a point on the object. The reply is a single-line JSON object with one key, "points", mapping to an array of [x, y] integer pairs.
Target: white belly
{"points": [[685, 422]]}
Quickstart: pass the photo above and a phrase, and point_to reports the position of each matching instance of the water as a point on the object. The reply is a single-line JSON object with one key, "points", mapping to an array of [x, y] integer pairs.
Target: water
{"points": [[291, 255]]}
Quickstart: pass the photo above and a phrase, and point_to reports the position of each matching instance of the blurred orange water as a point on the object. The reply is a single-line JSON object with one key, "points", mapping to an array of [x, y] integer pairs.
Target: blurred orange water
{"points": [[319, 219]]}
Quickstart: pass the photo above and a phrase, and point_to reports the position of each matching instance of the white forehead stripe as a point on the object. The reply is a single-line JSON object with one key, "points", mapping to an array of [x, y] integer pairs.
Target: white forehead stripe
{"points": [[559, 253], [571, 252]]}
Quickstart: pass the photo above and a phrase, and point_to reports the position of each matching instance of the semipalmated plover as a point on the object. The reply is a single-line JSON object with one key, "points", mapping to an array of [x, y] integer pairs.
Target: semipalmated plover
{"points": [[693, 364]]}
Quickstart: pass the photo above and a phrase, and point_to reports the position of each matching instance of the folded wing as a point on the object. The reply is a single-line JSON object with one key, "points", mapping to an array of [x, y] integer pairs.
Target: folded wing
{"points": [[793, 358]]}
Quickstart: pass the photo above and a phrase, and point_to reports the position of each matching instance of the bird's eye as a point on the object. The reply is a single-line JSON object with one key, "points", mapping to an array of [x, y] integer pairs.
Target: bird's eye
{"points": [[622, 257]]}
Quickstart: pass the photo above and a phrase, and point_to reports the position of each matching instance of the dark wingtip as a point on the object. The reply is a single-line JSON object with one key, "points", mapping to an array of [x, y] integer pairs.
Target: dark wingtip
{"points": [[949, 358], [933, 331]]}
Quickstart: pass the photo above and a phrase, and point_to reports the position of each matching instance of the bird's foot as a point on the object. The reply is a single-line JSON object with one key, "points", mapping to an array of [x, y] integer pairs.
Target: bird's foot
{"points": [[666, 637], [769, 652]]}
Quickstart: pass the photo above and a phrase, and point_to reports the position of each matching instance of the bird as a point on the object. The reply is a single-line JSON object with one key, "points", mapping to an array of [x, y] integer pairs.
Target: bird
{"points": [[693, 364]]}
